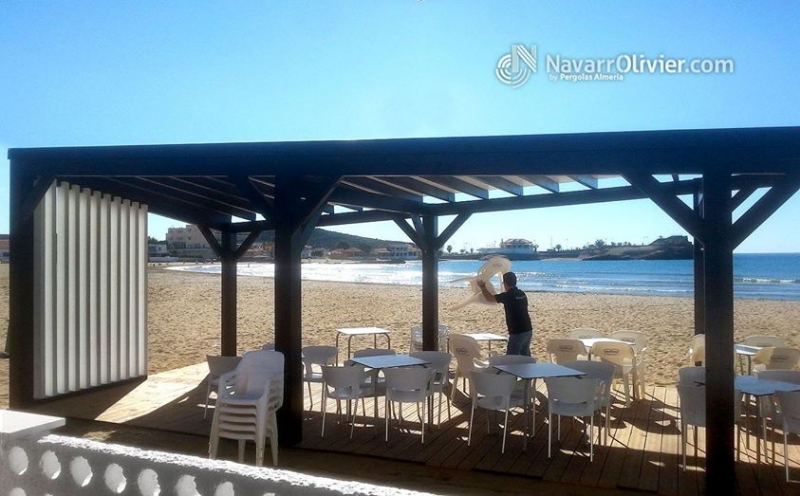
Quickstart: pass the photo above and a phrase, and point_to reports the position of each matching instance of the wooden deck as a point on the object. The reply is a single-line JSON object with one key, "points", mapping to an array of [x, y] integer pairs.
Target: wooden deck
{"points": [[643, 452]]}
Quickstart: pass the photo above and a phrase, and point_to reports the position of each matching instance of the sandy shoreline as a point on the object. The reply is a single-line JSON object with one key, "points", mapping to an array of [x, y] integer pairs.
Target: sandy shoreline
{"points": [[184, 317]]}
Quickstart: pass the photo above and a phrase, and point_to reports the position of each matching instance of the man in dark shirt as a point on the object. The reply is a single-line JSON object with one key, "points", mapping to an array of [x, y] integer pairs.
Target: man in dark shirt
{"points": [[518, 320]]}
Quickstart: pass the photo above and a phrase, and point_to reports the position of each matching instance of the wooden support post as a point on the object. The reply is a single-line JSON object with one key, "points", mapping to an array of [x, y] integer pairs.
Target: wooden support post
{"points": [[719, 332], [228, 346], [430, 283], [699, 271]]}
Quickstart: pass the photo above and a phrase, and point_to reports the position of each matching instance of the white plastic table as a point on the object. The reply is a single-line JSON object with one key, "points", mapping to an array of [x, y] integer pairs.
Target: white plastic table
{"points": [[362, 331], [487, 337]]}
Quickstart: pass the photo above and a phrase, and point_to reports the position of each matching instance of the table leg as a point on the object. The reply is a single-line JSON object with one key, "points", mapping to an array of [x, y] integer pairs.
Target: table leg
{"points": [[526, 398]]}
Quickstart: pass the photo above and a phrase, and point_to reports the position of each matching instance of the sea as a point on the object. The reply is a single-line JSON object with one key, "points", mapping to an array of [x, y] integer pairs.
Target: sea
{"points": [[767, 276]]}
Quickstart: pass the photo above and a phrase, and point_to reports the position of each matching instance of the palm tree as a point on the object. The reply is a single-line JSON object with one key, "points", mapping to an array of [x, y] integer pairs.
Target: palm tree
{"points": [[449, 249]]}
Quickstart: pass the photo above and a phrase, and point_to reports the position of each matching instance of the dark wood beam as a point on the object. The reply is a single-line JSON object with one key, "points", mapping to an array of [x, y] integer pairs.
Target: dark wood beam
{"points": [[543, 182], [459, 185], [668, 202], [764, 208], [454, 226]]}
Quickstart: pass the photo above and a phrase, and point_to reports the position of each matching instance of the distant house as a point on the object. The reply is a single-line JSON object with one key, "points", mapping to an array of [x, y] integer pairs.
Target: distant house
{"points": [[403, 251], [188, 242], [5, 248], [512, 247]]}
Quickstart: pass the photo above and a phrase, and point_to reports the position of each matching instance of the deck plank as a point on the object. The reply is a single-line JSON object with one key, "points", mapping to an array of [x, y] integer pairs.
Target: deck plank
{"points": [[643, 452]]}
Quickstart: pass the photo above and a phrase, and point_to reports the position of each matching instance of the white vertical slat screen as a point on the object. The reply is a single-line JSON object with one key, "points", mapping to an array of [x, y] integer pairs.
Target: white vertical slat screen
{"points": [[90, 321]]}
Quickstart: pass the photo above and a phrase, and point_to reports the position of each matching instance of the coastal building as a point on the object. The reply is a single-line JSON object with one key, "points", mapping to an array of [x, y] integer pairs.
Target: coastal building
{"points": [[403, 251], [188, 242], [513, 248]]}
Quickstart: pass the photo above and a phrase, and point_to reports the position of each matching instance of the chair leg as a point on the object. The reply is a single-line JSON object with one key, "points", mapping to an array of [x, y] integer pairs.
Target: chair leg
{"points": [[208, 393], [471, 419], [310, 397], [549, 434], [324, 408], [505, 430], [353, 419], [387, 409]]}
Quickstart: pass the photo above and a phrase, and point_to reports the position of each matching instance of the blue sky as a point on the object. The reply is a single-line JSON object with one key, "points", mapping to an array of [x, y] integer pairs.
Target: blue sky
{"points": [[109, 73]]}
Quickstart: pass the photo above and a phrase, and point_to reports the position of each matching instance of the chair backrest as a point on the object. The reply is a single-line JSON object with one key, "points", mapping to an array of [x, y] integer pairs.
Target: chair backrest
{"points": [[792, 376], [637, 339], [584, 333], [218, 365], [571, 395], [697, 350], [778, 358], [692, 376], [510, 359], [565, 349], [255, 370], [692, 404], [347, 379], [621, 354], [373, 352], [416, 337], [790, 410], [439, 360], [495, 388], [318, 355], [408, 383], [466, 350], [764, 341]]}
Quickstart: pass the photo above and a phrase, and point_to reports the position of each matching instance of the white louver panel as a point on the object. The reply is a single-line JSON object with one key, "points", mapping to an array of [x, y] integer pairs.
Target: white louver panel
{"points": [[90, 272]]}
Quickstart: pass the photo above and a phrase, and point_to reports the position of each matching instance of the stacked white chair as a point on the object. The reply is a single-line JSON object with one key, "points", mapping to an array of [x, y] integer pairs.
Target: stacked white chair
{"points": [[217, 366], [247, 401], [789, 404]]}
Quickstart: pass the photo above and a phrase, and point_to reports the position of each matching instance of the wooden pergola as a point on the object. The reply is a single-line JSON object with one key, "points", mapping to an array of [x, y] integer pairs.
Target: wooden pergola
{"points": [[293, 187]]}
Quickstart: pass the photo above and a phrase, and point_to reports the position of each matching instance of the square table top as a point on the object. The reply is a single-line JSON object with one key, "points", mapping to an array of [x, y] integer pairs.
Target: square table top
{"points": [[754, 386], [388, 361], [538, 370], [352, 331], [486, 336], [589, 342]]}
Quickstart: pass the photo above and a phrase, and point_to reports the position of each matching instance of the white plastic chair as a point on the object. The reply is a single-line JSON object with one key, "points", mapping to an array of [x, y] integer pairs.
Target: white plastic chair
{"points": [[637, 340], [571, 397], [603, 372], [776, 358], [217, 366], [764, 341], [408, 385], [416, 338], [439, 361], [563, 350], [624, 359], [789, 403], [314, 357], [469, 357], [247, 401], [692, 406], [692, 376], [770, 407], [343, 384], [493, 392], [697, 350], [585, 333]]}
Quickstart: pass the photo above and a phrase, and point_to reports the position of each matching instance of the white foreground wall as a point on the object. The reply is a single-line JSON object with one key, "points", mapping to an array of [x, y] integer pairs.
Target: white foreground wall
{"points": [[59, 465]]}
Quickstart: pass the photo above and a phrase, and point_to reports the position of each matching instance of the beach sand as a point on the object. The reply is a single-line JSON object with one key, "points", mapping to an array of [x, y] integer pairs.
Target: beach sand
{"points": [[184, 326], [184, 318]]}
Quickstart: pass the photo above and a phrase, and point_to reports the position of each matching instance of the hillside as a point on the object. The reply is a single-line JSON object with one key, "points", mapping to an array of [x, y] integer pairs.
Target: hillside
{"points": [[323, 238]]}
